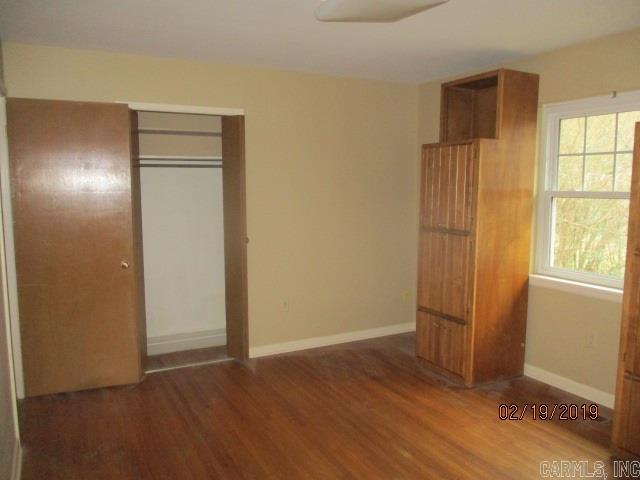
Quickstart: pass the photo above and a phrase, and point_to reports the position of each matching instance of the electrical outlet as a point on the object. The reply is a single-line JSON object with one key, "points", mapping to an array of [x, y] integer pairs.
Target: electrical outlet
{"points": [[285, 305]]}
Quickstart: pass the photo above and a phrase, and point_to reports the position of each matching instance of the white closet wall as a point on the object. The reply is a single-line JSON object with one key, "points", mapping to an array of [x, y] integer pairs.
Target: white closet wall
{"points": [[183, 237]]}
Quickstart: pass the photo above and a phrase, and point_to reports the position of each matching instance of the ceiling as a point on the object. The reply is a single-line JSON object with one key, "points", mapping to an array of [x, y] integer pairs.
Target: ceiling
{"points": [[456, 37]]}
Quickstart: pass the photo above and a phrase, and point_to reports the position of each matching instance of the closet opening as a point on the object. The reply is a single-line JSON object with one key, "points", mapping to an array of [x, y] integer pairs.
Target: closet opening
{"points": [[189, 180]]}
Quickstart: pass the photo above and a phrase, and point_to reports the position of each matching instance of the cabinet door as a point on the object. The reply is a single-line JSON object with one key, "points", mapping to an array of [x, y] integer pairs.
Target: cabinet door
{"points": [[444, 279], [631, 300], [440, 342], [447, 187], [76, 264]]}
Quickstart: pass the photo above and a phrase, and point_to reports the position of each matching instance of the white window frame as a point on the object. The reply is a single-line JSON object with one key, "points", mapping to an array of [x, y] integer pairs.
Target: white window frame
{"points": [[551, 115]]}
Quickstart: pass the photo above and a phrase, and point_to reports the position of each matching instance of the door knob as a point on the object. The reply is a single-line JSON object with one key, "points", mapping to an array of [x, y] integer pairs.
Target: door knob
{"points": [[124, 264]]}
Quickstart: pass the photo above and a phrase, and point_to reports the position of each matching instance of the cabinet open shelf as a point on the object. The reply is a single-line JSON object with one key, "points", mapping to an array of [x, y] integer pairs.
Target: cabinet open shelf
{"points": [[471, 108]]}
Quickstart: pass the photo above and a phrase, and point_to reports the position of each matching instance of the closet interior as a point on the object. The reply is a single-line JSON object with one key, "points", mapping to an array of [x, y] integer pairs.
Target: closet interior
{"points": [[179, 157], [130, 238]]}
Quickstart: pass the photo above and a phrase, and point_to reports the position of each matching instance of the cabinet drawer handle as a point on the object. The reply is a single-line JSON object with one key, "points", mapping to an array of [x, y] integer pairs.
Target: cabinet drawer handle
{"points": [[636, 252]]}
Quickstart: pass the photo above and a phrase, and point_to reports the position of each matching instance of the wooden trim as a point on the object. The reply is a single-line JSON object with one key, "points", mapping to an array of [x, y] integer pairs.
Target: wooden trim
{"points": [[450, 144], [235, 236], [462, 233], [136, 219], [632, 376], [472, 78], [441, 315]]}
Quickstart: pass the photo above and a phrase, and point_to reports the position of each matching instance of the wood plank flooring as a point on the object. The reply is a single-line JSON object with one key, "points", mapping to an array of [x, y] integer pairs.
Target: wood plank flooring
{"points": [[365, 410]]}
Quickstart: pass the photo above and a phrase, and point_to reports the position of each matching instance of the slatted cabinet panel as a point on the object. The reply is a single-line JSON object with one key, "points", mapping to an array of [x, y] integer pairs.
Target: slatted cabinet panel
{"points": [[441, 340], [447, 178], [444, 274]]}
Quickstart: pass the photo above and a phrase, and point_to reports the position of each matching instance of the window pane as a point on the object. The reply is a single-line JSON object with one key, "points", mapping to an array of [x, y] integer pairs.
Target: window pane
{"points": [[570, 173], [626, 127], [571, 135], [601, 133], [623, 172], [598, 175], [590, 235]]}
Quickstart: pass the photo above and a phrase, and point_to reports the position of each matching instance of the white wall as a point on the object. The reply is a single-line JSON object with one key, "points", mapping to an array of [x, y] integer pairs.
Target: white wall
{"points": [[183, 238], [183, 250]]}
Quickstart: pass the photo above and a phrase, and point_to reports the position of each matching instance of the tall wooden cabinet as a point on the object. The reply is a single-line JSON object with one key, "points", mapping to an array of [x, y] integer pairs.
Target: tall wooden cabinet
{"points": [[475, 227], [626, 418]]}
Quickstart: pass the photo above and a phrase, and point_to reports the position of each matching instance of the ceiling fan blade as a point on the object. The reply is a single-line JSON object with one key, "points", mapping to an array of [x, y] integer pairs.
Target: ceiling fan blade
{"points": [[372, 10]]}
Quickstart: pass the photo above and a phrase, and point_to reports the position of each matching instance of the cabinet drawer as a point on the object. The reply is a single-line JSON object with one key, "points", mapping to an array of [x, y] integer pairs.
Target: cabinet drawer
{"points": [[440, 341], [630, 415]]}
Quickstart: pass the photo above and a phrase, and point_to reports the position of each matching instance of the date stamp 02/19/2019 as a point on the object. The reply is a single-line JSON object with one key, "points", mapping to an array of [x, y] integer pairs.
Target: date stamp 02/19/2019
{"points": [[545, 411]]}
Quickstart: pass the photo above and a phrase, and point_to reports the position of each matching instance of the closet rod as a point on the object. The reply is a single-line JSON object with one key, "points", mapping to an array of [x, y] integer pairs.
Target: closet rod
{"points": [[176, 165], [172, 131], [186, 158]]}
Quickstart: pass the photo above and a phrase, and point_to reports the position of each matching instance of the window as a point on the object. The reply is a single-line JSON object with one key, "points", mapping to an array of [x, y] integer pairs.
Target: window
{"points": [[584, 196]]}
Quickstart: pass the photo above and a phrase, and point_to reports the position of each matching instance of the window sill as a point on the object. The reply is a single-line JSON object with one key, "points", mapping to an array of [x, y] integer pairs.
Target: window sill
{"points": [[577, 288]]}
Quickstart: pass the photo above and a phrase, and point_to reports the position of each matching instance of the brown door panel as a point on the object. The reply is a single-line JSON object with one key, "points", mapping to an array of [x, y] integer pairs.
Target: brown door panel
{"points": [[73, 227], [447, 187], [444, 273]]}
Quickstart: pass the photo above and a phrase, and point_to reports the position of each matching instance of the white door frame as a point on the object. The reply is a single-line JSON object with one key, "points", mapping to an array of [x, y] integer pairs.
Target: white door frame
{"points": [[6, 260]]}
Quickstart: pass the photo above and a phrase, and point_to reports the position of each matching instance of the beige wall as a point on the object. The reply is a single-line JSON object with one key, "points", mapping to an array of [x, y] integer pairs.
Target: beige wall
{"points": [[558, 322], [331, 178], [332, 184]]}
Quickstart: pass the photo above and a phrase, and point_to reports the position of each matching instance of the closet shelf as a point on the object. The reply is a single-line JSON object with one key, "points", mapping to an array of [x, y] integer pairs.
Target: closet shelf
{"points": [[179, 131]]}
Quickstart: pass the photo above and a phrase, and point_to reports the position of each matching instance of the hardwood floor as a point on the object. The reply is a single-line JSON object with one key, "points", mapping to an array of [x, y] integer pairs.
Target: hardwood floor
{"points": [[365, 410], [187, 357]]}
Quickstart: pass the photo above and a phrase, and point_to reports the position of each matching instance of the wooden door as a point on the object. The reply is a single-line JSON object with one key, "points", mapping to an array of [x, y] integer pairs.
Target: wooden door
{"points": [[235, 236], [447, 198], [447, 187], [444, 274], [76, 261]]}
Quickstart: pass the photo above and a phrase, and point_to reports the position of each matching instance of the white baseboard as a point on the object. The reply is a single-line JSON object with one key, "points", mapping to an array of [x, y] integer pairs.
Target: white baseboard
{"points": [[16, 469], [315, 342], [571, 386], [186, 341]]}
